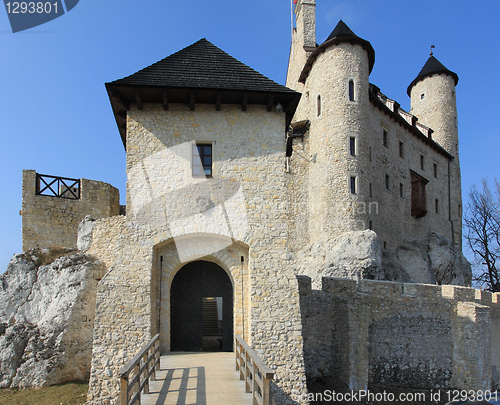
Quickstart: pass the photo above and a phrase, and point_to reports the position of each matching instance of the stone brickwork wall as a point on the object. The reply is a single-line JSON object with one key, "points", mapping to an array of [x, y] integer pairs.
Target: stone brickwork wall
{"points": [[174, 218], [376, 333], [50, 222]]}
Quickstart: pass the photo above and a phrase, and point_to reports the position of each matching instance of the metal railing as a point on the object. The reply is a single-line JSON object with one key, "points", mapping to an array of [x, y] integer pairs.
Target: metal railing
{"points": [[256, 374], [54, 186], [134, 377]]}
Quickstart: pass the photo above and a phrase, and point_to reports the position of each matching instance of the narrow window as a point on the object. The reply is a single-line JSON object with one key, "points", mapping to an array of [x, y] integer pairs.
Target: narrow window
{"points": [[422, 96], [385, 244], [351, 90], [436, 205], [371, 190], [319, 106], [388, 182], [370, 153], [370, 225], [418, 195], [353, 184], [402, 190], [422, 162], [202, 160], [385, 138], [352, 146], [401, 149], [435, 170]]}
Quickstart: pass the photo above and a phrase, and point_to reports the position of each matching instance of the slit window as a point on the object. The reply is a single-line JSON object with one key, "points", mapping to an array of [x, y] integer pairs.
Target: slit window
{"points": [[319, 105], [352, 146], [385, 138], [436, 205], [388, 182], [202, 160], [422, 162], [435, 170], [402, 190], [401, 149], [351, 90], [352, 184]]}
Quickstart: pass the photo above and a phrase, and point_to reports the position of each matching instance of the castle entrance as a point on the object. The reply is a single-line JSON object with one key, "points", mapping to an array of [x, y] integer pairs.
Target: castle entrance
{"points": [[201, 304]]}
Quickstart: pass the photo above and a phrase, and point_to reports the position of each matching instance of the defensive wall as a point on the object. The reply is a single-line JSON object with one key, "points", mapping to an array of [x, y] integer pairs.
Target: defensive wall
{"points": [[53, 207], [378, 333]]}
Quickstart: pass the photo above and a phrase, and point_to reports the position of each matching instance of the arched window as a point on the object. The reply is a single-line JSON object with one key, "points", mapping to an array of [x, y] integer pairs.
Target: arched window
{"points": [[351, 90], [319, 105]]}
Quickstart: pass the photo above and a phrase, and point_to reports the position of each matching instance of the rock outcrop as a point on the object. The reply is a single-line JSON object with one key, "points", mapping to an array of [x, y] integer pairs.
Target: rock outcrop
{"points": [[47, 306], [358, 255]]}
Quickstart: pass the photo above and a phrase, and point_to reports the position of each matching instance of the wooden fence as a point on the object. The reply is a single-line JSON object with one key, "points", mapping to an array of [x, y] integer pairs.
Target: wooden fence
{"points": [[135, 375], [256, 374]]}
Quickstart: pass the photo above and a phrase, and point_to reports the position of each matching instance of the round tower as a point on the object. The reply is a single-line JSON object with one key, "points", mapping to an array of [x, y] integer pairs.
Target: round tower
{"points": [[336, 87], [433, 102]]}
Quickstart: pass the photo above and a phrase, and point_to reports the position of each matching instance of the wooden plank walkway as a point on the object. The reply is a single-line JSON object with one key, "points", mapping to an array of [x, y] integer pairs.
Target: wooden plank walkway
{"points": [[207, 378]]}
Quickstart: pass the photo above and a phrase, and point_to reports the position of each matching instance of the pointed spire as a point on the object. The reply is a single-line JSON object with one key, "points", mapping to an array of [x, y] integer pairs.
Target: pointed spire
{"points": [[432, 67], [342, 33]]}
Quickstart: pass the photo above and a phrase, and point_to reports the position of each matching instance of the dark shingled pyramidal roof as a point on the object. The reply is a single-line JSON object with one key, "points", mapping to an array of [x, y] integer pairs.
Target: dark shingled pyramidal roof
{"points": [[202, 65], [432, 67], [198, 74]]}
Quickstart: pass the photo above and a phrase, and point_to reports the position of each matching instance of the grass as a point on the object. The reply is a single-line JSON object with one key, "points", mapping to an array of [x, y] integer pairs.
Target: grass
{"points": [[74, 393]]}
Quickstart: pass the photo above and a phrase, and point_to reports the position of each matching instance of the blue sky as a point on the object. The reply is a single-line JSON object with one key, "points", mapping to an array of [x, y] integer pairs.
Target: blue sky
{"points": [[55, 115]]}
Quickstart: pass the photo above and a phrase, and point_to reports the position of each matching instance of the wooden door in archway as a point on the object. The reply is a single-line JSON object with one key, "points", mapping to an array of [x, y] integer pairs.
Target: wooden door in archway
{"points": [[201, 305]]}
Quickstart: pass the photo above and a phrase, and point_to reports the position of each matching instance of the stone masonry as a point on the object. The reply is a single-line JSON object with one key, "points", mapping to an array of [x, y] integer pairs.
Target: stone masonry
{"points": [[53, 222]]}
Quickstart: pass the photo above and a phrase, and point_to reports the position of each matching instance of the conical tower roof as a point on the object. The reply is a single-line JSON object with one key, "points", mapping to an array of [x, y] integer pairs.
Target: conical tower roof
{"points": [[341, 33], [432, 67]]}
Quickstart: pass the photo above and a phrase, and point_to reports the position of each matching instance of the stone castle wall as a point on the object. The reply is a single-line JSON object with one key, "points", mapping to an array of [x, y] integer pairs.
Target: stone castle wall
{"points": [[50, 222], [376, 333], [321, 165], [173, 218]]}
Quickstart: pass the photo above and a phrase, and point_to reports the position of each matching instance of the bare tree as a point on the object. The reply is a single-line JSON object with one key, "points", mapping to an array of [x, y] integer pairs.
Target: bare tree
{"points": [[482, 233]]}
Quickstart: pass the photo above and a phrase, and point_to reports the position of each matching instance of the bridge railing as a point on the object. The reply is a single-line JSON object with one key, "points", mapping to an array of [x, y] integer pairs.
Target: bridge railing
{"points": [[136, 374], [256, 374]]}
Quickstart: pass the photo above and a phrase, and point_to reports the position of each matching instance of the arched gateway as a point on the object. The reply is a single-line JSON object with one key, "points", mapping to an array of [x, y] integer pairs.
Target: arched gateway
{"points": [[201, 302]]}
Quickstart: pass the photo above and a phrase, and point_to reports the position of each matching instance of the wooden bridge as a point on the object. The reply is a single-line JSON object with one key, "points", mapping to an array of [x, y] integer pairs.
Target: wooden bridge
{"points": [[203, 378]]}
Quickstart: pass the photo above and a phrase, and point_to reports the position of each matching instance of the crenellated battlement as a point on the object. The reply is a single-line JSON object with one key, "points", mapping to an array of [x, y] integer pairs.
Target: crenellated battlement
{"points": [[392, 289], [386, 332]]}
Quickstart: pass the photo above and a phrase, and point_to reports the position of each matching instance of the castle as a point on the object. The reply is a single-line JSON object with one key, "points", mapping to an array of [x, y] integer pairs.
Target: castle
{"points": [[254, 194]]}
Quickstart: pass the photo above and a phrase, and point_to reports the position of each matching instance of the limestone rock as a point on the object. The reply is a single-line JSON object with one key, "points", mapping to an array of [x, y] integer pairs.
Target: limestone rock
{"points": [[430, 260], [84, 236], [354, 255], [47, 314]]}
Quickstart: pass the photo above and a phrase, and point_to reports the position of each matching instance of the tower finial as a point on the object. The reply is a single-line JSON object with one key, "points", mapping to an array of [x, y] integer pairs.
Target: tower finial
{"points": [[432, 47]]}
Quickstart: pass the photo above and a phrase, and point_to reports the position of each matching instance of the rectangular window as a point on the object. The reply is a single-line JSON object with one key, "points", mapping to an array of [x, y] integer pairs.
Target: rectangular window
{"points": [[353, 184], [370, 153], [352, 146], [422, 162], [418, 195], [401, 149], [385, 138], [436, 205], [435, 170], [371, 190], [401, 190], [388, 182], [202, 160]]}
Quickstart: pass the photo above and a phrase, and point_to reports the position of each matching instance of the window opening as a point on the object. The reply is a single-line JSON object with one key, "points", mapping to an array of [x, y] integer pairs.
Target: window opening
{"points": [[202, 160]]}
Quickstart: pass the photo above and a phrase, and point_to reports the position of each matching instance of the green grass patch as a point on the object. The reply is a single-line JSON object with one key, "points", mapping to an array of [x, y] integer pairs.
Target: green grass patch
{"points": [[74, 393]]}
